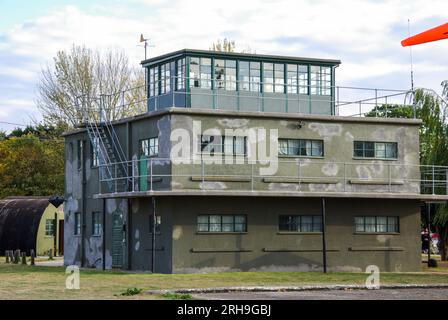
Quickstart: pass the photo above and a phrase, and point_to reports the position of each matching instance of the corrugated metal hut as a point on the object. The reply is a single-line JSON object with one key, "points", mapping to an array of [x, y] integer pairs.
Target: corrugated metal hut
{"points": [[31, 223]]}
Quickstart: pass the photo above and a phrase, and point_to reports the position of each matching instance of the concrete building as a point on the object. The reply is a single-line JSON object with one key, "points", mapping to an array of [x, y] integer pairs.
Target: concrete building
{"points": [[244, 162]]}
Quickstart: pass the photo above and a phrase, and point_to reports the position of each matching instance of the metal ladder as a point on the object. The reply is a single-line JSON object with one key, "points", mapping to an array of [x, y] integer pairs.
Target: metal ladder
{"points": [[106, 145]]}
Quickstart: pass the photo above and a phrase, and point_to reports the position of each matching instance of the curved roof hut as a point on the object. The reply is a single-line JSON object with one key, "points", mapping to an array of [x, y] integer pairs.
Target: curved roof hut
{"points": [[21, 221]]}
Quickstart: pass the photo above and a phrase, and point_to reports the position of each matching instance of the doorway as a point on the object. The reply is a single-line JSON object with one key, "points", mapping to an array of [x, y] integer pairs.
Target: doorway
{"points": [[117, 239]]}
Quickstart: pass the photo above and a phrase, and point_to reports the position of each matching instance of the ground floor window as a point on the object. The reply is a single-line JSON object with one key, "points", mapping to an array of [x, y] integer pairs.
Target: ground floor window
{"points": [[296, 223], [96, 224], [222, 223], [49, 227], [377, 224]]}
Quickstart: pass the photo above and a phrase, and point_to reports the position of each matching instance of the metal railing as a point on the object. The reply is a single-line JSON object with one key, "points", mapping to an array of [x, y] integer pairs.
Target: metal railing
{"points": [[216, 94], [297, 175]]}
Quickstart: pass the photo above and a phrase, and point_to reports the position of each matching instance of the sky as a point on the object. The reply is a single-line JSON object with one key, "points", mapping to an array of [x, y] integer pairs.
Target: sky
{"points": [[365, 35]]}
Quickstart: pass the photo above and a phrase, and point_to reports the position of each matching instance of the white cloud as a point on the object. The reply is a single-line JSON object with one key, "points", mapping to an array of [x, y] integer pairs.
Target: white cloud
{"points": [[365, 35]]}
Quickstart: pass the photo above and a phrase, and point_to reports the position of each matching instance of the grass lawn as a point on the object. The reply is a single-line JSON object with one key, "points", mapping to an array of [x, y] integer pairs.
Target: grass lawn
{"points": [[39, 282]]}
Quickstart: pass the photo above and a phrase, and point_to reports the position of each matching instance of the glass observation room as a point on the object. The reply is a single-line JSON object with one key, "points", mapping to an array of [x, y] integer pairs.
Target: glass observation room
{"points": [[240, 82]]}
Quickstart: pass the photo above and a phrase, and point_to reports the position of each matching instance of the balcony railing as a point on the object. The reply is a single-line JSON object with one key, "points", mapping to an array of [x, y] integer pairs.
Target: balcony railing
{"points": [[295, 175], [237, 95]]}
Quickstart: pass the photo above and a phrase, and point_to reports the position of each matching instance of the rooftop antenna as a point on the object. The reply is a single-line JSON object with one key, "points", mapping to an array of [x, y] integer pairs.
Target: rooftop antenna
{"points": [[410, 54]]}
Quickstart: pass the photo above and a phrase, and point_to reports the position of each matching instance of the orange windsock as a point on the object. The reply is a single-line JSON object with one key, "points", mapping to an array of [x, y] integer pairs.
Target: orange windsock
{"points": [[437, 33]]}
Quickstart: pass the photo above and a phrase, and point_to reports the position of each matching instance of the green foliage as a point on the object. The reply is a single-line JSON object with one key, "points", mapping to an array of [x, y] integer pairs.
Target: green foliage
{"points": [[433, 137], [177, 296], [433, 131], [131, 292], [32, 162]]}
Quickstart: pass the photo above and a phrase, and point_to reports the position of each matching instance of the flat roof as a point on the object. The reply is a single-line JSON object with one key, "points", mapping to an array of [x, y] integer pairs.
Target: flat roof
{"points": [[235, 55], [257, 114]]}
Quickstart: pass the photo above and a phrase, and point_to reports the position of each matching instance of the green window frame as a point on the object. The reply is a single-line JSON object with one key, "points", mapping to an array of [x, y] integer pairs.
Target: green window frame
{"points": [[376, 150], [154, 81], [273, 77], [300, 223], [165, 77], [96, 224], [377, 224], [222, 223], [320, 80], [180, 76], [149, 147], [301, 147], [200, 72], [50, 227], [77, 224], [225, 74], [249, 76], [226, 145]]}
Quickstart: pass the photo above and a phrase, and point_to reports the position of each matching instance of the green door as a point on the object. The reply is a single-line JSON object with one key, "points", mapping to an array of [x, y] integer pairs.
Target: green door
{"points": [[143, 173], [117, 239]]}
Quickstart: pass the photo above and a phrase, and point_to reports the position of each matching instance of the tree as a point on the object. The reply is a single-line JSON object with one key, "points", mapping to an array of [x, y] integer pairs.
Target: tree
{"points": [[224, 46], [79, 77], [31, 166], [431, 109]]}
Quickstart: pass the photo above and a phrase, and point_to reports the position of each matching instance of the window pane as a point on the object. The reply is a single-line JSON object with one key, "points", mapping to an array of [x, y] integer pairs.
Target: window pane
{"points": [[359, 224], [380, 150], [215, 219], [227, 227], [392, 224], [240, 145], [370, 224], [369, 149], [293, 147], [279, 76], [243, 75], [202, 219], [306, 223], [381, 224], [240, 219], [239, 227], [228, 145], [227, 219], [282, 147], [391, 150]]}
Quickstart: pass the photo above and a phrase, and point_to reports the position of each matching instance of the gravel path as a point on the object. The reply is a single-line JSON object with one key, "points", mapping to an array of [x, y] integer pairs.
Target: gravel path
{"points": [[384, 294]]}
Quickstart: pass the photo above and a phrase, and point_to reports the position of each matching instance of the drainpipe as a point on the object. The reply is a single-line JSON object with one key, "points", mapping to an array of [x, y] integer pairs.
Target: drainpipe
{"points": [[83, 196], [104, 234], [55, 233], [129, 235], [324, 245], [153, 260], [428, 217]]}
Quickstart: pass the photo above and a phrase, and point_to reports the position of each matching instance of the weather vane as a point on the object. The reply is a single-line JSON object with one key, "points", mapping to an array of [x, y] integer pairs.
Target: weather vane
{"points": [[145, 40]]}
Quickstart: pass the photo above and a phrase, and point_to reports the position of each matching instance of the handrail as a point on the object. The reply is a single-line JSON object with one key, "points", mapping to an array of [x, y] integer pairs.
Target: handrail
{"points": [[394, 178]]}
